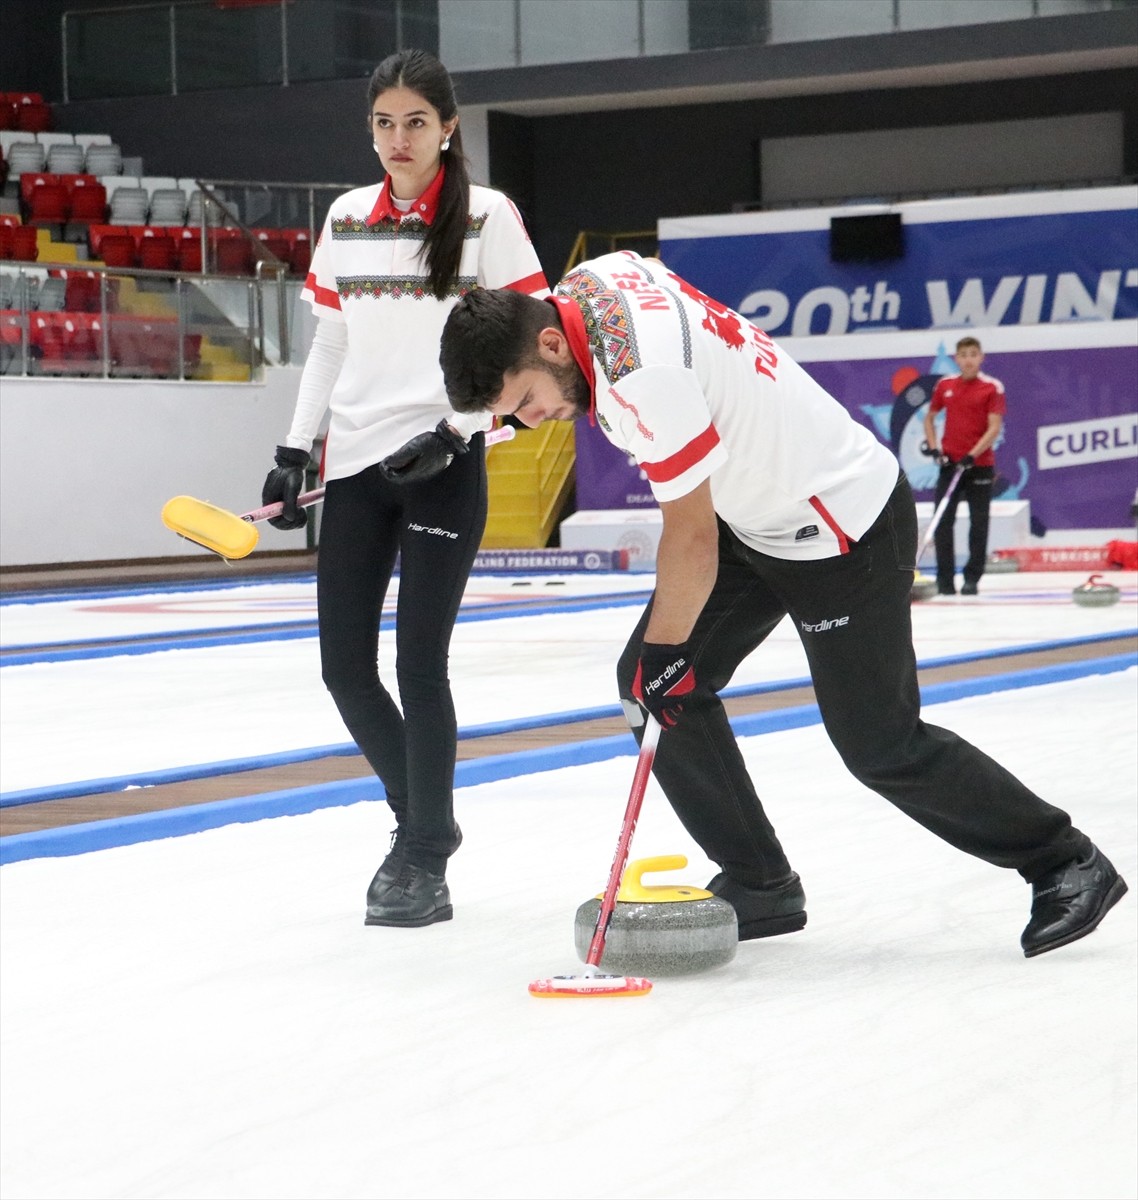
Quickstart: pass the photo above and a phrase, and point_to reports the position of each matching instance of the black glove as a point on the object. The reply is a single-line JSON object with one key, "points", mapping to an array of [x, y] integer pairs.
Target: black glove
{"points": [[938, 456], [284, 483], [424, 456], [966, 462], [664, 679]]}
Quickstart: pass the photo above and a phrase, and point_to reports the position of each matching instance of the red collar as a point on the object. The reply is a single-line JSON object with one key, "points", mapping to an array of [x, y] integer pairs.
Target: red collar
{"points": [[426, 206], [574, 325]]}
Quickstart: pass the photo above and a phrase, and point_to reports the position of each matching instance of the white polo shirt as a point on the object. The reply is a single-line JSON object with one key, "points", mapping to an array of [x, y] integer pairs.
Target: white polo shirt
{"points": [[693, 391], [368, 274]]}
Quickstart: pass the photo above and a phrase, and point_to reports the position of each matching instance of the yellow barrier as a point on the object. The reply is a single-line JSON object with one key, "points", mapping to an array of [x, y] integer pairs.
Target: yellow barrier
{"points": [[530, 480]]}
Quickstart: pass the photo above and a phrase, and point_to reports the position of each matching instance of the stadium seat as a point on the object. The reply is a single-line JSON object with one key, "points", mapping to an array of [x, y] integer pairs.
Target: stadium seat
{"points": [[46, 338], [232, 252], [52, 294], [158, 252], [128, 206], [88, 200], [82, 292], [118, 249], [66, 158], [23, 157], [168, 206], [276, 241], [300, 257], [48, 204], [103, 158], [189, 243], [7, 246], [25, 244], [32, 114]]}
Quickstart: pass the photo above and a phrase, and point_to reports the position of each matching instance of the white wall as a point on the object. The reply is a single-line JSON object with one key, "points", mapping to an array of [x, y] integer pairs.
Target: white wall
{"points": [[85, 467]]}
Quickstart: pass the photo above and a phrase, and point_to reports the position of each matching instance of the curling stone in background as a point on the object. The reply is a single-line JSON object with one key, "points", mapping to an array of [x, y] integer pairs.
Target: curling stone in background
{"points": [[924, 587], [1096, 593], [999, 563], [660, 930]]}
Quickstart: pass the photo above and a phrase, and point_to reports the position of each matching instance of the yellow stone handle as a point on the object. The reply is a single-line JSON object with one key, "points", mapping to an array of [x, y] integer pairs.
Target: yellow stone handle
{"points": [[634, 891]]}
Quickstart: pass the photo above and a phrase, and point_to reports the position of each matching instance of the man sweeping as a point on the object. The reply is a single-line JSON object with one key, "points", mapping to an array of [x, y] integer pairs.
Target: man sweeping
{"points": [[774, 502]]}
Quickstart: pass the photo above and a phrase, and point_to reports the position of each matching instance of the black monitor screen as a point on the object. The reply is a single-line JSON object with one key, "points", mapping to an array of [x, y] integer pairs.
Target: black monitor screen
{"points": [[866, 239]]}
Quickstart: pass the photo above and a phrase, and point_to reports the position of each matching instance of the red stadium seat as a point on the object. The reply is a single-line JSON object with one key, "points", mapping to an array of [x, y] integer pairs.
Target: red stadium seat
{"points": [[34, 117], [30, 180], [7, 244], [47, 336], [301, 256], [119, 250], [158, 253], [88, 200], [82, 294], [49, 205], [25, 244]]}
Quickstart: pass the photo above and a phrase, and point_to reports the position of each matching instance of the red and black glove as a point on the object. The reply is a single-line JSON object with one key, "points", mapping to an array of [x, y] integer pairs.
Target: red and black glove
{"points": [[665, 679]]}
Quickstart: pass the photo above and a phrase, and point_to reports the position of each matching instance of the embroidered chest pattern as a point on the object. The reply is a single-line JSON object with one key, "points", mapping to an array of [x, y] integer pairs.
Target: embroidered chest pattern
{"points": [[411, 227], [397, 287], [608, 324]]}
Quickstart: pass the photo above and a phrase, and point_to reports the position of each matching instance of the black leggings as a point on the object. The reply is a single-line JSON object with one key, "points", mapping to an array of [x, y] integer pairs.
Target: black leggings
{"points": [[975, 486], [852, 615], [435, 528]]}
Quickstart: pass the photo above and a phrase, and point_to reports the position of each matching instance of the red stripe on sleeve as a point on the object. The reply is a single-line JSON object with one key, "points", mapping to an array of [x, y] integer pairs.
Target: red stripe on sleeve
{"points": [[529, 285], [835, 528], [676, 464], [322, 295]]}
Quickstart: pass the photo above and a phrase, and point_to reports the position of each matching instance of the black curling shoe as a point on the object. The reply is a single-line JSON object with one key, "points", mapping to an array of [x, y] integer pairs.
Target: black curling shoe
{"points": [[763, 912], [414, 898], [389, 869], [1070, 901]]}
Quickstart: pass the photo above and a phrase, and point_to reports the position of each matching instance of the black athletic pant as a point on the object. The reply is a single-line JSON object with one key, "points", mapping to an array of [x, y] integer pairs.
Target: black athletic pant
{"points": [[852, 614], [976, 486], [435, 527]]}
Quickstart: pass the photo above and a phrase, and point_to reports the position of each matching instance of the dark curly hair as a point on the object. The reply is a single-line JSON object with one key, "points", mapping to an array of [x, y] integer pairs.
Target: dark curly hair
{"points": [[488, 333]]}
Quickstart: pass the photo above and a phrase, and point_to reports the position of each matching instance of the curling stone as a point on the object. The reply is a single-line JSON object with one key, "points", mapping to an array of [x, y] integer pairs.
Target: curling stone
{"points": [[1096, 593], [924, 586], [660, 930], [1001, 564]]}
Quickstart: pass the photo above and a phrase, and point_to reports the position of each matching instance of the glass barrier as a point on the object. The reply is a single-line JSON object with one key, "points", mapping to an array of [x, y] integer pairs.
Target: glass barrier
{"points": [[198, 44], [110, 323]]}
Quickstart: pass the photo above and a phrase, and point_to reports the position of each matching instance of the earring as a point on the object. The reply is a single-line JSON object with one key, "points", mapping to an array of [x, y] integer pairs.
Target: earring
{"points": [[445, 145], [375, 147]]}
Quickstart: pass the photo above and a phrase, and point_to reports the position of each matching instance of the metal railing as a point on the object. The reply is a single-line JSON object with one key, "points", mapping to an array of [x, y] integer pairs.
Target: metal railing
{"points": [[140, 324]]}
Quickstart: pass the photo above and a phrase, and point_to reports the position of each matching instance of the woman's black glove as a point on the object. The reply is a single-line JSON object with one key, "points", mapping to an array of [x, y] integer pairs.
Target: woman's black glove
{"points": [[284, 483], [424, 456]]}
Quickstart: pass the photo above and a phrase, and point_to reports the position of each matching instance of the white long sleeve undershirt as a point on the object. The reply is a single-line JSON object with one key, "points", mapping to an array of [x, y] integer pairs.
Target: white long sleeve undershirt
{"points": [[321, 370]]}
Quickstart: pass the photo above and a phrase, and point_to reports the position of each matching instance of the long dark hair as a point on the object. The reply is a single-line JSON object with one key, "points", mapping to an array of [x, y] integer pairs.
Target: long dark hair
{"points": [[424, 75]]}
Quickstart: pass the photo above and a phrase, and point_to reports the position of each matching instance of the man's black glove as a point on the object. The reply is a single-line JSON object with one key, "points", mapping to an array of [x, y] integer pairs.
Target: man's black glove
{"points": [[284, 483], [664, 679], [937, 455], [966, 462], [424, 456]]}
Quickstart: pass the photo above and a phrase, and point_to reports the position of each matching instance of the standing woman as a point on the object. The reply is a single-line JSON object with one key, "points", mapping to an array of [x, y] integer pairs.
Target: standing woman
{"points": [[404, 474]]}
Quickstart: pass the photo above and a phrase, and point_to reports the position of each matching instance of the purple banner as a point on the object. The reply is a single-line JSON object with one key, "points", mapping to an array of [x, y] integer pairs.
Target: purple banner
{"points": [[1069, 445]]}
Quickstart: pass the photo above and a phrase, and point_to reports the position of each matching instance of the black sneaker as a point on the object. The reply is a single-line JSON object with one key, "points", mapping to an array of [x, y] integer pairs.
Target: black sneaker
{"points": [[415, 898], [389, 869], [1069, 902], [945, 590], [968, 589], [763, 912]]}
